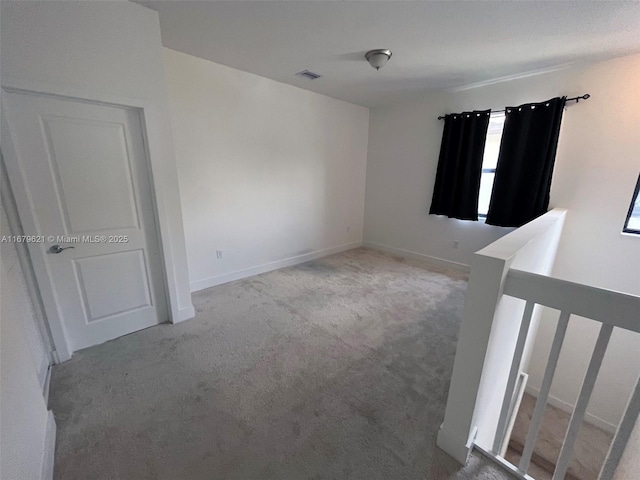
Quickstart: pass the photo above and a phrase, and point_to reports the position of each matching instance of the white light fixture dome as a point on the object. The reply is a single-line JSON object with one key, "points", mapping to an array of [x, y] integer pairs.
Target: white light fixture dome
{"points": [[378, 58]]}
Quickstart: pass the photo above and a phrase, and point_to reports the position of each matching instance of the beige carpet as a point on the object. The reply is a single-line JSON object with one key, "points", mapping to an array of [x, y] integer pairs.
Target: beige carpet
{"points": [[334, 369]]}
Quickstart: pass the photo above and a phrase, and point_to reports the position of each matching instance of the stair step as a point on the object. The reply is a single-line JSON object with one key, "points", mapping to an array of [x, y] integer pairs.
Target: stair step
{"points": [[590, 449], [538, 469]]}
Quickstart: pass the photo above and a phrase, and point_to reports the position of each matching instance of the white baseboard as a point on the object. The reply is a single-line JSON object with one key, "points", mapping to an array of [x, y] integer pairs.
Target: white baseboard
{"points": [[186, 313], [48, 458], [268, 267], [567, 407], [438, 262]]}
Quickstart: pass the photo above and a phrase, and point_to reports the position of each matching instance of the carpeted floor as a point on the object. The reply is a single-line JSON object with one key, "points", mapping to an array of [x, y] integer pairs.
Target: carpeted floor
{"points": [[334, 369]]}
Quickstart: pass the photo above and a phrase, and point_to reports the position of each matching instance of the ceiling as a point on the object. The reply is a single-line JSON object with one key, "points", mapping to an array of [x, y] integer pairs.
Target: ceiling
{"points": [[435, 45]]}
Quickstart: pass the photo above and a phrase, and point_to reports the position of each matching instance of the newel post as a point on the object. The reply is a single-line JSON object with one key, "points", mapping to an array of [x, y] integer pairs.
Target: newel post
{"points": [[457, 432]]}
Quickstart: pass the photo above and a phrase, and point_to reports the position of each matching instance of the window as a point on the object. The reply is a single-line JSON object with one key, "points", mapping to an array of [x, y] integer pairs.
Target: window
{"points": [[632, 223], [489, 161]]}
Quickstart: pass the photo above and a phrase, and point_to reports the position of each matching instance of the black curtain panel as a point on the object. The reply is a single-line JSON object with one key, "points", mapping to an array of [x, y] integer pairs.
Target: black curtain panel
{"points": [[457, 186], [525, 163]]}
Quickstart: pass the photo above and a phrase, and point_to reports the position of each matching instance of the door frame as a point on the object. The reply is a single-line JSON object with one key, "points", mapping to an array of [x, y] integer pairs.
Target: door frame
{"points": [[147, 113], [15, 228]]}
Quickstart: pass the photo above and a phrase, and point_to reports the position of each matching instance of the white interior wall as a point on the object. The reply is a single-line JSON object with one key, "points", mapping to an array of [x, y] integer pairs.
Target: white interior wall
{"points": [[599, 162], [109, 51], [269, 174], [404, 144], [23, 412], [596, 169]]}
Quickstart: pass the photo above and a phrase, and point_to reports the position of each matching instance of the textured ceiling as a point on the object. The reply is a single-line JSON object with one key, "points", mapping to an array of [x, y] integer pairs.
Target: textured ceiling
{"points": [[435, 44]]}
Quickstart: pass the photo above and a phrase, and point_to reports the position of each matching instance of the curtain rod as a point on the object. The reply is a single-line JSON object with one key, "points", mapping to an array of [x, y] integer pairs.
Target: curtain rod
{"points": [[586, 96]]}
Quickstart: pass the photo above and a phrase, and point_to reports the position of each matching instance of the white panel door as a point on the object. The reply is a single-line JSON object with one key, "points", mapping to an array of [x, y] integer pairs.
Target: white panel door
{"points": [[86, 173]]}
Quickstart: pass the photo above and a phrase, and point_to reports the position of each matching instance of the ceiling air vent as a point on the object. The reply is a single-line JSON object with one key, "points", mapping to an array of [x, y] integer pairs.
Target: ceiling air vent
{"points": [[308, 75]]}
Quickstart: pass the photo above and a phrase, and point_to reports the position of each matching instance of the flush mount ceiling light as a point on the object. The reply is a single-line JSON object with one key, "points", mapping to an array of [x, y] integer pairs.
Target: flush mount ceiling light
{"points": [[378, 58]]}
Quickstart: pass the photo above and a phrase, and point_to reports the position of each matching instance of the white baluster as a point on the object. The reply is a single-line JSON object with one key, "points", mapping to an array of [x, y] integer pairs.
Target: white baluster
{"points": [[622, 435], [538, 411], [507, 402], [583, 399]]}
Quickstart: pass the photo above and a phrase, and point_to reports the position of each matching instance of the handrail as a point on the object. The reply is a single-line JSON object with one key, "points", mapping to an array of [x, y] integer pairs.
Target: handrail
{"points": [[606, 306]]}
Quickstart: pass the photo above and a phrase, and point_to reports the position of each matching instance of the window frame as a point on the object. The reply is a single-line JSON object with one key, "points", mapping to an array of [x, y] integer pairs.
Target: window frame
{"points": [[634, 197]]}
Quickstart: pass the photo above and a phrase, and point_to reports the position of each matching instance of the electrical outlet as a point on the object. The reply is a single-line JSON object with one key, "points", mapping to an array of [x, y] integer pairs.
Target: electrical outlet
{"points": [[218, 254], [456, 243]]}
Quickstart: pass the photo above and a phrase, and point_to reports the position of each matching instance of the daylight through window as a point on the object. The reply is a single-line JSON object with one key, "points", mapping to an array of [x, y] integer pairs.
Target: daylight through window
{"points": [[489, 161], [632, 223]]}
